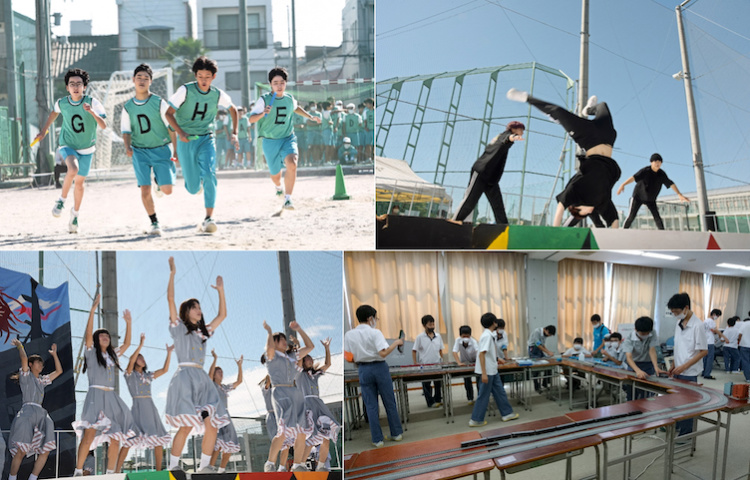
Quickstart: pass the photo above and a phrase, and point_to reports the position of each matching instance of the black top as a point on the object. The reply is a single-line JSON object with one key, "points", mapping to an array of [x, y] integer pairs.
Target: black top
{"points": [[491, 164], [648, 184], [592, 185]]}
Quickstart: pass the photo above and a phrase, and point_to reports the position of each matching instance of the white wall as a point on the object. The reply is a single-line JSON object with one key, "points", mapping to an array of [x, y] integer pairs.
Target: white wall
{"points": [[541, 293], [743, 302], [668, 285]]}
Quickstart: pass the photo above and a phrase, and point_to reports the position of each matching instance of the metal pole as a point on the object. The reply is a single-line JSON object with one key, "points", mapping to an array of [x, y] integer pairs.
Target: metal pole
{"points": [[109, 301], [44, 83], [41, 269], [287, 296], [244, 69], [700, 180], [294, 44], [10, 65], [583, 68]]}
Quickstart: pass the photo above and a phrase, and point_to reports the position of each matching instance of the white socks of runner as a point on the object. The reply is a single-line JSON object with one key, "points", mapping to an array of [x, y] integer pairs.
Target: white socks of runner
{"points": [[31, 477], [205, 460], [287, 197], [174, 461], [12, 477], [110, 471]]}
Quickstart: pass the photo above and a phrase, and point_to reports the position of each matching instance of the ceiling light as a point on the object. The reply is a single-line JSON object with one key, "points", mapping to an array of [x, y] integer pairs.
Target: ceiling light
{"points": [[734, 266], [661, 256]]}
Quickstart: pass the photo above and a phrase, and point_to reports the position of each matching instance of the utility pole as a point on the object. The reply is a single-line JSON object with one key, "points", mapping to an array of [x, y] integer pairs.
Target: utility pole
{"points": [[700, 179], [294, 44], [10, 65], [287, 296], [109, 301], [44, 83], [244, 69], [583, 68]]}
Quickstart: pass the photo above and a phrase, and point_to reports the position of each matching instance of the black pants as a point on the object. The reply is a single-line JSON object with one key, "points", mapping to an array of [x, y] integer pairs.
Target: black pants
{"points": [[477, 187], [635, 205], [437, 396], [586, 133], [58, 170]]}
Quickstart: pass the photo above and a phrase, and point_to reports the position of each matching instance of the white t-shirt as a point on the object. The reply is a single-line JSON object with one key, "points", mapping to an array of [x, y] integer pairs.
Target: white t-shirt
{"points": [[709, 324], [125, 118], [687, 342], [732, 333], [466, 354], [744, 330], [574, 353], [502, 343], [487, 344], [428, 349], [365, 343]]}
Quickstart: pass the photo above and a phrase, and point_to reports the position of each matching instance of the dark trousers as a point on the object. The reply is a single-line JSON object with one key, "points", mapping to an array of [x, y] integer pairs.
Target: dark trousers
{"points": [[731, 359], [685, 426], [708, 361], [535, 352], [635, 205], [469, 386], [478, 186], [59, 169], [586, 133], [437, 396], [647, 367]]}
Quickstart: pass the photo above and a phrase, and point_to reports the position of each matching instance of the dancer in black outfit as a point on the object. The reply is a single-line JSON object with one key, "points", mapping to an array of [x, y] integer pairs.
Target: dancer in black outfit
{"points": [[486, 173], [591, 187]]}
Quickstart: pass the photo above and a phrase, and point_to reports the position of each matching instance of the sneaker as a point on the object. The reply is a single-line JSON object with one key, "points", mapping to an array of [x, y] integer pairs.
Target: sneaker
{"points": [[437, 404], [471, 402], [288, 205], [282, 468], [208, 225], [509, 417], [322, 468], [155, 229], [157, 191], [472, 423], [269, 467], [377, 444], [207, 469], [300, 468], [398, 438], [710, 377], [517, 95], [590, 105], [73, 223], [78, 473], [279, 192], [57, 210]]}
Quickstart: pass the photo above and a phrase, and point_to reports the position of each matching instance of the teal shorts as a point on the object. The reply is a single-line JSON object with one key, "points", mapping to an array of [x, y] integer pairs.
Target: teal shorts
{"points": [[84, 160], [159, 160], [277, 149]]}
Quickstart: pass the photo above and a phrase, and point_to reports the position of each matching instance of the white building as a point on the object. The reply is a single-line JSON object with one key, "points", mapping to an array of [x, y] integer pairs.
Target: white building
{"points": [[358, 23], [218, 27], [145, 30]]}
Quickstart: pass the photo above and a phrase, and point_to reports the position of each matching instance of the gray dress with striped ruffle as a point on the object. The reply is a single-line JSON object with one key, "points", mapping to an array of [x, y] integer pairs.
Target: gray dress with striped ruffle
{"points": [[151, 431], [326, 426], [32, 431], [288, 401], [226, 439]]}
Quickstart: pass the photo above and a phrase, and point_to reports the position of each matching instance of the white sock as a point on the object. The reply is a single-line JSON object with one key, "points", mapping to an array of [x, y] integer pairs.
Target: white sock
{"points": [[110, 471], [77, 470], [205, 460], [62, 199], [222, 470], [73, 213], [517, 95], [287, 197], [590, 104], [174, 461], [295, 465], [31, 477], [279, 189], [12, 477]]}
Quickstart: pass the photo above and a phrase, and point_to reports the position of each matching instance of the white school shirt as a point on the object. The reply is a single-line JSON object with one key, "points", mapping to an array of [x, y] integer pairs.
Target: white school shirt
{"points": [[502, 343], [428, 349], [731, 333], [744, 330], [572, 351], [687, 342], [466, 354], [709, 324], [365, 343], [619, 354], [487, 344]]}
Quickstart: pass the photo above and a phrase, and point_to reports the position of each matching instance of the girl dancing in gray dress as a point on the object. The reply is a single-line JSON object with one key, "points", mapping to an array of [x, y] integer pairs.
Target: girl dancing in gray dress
{"points": [[105, 417], [227, 441], [292, 420], [151, 432], [265, 386], [32, 431], [326, 426], [192, 400]]}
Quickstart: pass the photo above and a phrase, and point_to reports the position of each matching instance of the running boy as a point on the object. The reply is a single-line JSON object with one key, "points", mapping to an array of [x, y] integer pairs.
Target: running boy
{"points": [[146, 137], [276, 128], [192, 109], [81, 115]]}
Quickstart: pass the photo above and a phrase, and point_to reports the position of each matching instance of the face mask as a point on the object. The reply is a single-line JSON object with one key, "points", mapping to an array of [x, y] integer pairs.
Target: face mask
{"points": [[500, 334], [642, 337], [615, 344], [313, 108], [607, 344], [577, 346], [351, 110], [430, 331], [680, 316]]}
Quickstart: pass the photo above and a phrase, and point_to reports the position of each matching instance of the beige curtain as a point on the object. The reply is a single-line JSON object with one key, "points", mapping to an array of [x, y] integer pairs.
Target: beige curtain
{"points": [[692, 284], [482, 282], [580, 294], [725, 292], [632, 295], [402, 286]]}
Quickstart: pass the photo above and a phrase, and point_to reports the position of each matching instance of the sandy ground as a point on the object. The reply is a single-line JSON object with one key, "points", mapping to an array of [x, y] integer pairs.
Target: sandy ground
{"points": [[113, 218]]}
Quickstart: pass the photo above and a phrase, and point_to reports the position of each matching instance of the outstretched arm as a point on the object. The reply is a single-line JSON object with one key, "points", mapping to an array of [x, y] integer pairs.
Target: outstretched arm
{"points": [[212, 369], [222, 305], [327, 345], [21, 353], [238, 382], [677, 191], [170, 292], [89, 335], [58, 366], [626, 182], [270, 350], [134, 356], [128, 332], [50, 120], [165, 368], [309, 345]]}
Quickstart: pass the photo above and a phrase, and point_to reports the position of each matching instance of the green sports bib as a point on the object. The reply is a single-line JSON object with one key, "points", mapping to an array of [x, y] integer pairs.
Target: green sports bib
{"points": [[199, 109], [79, 126], [279, 122], [147, 130]]}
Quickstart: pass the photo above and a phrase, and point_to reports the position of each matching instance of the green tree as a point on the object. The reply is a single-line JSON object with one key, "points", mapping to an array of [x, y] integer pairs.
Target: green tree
{"points": [[180, 55]]}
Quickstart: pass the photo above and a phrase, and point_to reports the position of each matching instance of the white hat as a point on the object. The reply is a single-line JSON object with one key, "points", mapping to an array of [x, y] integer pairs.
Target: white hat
{"points": [[350, 105], [339, 103], [347, 140]]}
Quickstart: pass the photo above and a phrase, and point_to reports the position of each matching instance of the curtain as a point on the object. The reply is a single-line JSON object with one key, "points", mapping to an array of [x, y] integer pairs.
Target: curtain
{"points": [[580, 294], [725, 292], [693, 284], [632, 295], [482, 282], [401, 286]]}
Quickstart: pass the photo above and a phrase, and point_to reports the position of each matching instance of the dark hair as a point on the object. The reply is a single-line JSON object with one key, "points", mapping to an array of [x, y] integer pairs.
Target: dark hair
{"points": [[263, 359], [278, 336], [578, 340], [77, 72], [205, 63], [616, 335], [656, 158], [315, 368], [644, 324], [364, 312], [575, 210], [464, 330], [369, 100], [716, 312], [326, 105], [427, 319], [732, 321], [201, 325], [679, 300], [31, 359], [500, 323], [99, 356], [145, 366], [144, 67], [515, 124], [596, 318], [747, 319], [395, 206], [278, 72], [215, 369], [551, 329], [488, 319]]}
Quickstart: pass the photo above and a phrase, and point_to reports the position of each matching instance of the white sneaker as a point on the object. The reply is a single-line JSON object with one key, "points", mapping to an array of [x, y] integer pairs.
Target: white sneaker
{"points": [[517, 95], [282, 468], [279, 191], [288, 205], [73, 223], [58, 208], [590, 105], [509, 417], [157, 191], [207, 469], [378, 444], [208, 225], [269, 467], [300, 468], [472, 423], [398, 438], [154, 230]]}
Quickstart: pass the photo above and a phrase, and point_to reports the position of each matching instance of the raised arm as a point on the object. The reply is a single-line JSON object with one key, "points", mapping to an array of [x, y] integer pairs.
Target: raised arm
{"points": [[170, 291], [88, 337], [58, 366], [222, 305], [327, 345], [165, 368], [212, 368], [22, 354], [134, 356], [270, 350], [128, 332], [238, 382], [309, 345]]}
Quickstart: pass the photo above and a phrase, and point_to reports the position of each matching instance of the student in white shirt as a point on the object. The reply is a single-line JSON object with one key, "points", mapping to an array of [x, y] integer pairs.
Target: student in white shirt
{"points": [[730, 348], [615, 353], [369, 349], [711, 330], [428, 349], [579, 353], [689, 347], [743, 340], [501, 340], [465, 352]]}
